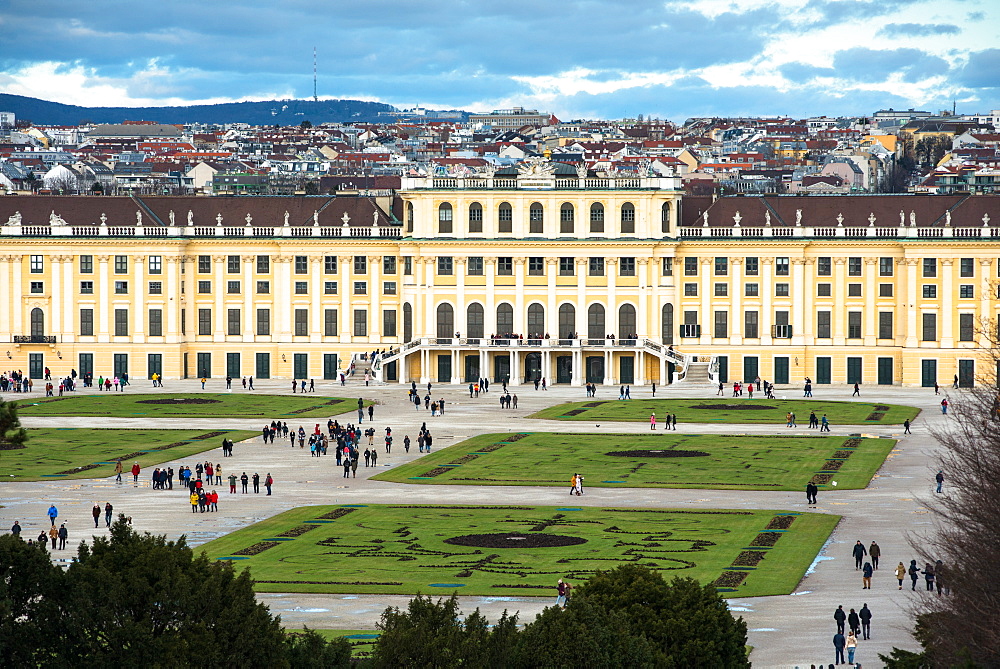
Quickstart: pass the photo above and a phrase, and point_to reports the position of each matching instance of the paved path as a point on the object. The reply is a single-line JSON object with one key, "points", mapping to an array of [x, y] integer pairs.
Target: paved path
{"points": [[785, 630]]}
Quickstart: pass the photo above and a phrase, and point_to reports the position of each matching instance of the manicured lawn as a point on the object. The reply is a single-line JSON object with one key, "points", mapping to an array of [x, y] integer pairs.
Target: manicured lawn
{"points": [[771, 462], [235, 405], [403, 549], [362, 641], [730, 410], [68, 453]]}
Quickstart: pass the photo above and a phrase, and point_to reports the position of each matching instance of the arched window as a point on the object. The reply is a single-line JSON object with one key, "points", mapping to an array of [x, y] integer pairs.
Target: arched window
{"points": [[505, 319], [536, 219], [445, 214], [626, 321], [407, 322], [628, 219], [567, 218], [667, 332], [505, 218], [474, 317], [536, 321], [409, 217], [37, 322], [475, 217], [597, 218], [567, 320], [595, 321], [665, 218], [445, 321]]}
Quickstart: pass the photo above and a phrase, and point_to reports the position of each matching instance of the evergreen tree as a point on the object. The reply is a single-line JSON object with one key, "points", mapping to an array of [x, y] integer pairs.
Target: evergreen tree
{"points": [[30, 587], [12, 435]]}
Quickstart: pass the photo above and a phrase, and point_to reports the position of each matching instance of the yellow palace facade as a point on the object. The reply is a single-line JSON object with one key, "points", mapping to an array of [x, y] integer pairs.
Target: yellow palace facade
{"points": [[538, 271]]}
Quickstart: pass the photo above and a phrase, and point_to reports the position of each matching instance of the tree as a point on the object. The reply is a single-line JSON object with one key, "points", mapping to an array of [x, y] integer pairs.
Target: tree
{"points": [[29, 604], [305, 125], [308, 650], [312, 188], [12, 435]]}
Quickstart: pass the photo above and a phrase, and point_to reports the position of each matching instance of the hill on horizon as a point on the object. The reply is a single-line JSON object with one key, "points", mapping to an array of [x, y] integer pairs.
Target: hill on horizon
{"points": [[271, 112]]}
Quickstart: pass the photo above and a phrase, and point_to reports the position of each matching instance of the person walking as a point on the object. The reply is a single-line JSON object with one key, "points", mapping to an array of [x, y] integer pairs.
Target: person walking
{"points": [[63, 535], [839, 641], [874, 551], [859, 553], [857, 390], [118, 470], [193, 499], [944, 406], [96, 512], [852, 645], [866, 576], [824, 424], [811, 490], [939, 478], [135, 473], [652, 421], [865, 614], [900, 574], [108, 511], [268, 482], [53, 513], [853, 622], [53, 536], [840, 617], [906, 426], [914, 572], [562, 589]]}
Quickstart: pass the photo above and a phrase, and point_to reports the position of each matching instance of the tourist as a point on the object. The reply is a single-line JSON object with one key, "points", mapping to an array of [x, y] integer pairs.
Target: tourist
{"points": [[866, 576], [673, 422], [193, 499], [256, 482], [944, 406], [859, 551], [838, 645], [857, 390], [825, 424], [108, 510], [232, 483], [865, 615], [852, 645], [652, 421], [841, 618], [268, 482], [874, 551], [96, 512], [118, 470], [939, 478], [811, 490], [579, 485], [914, 572], [563, 590], [53, 513], [16, 528], [906, 426], [406, 443], [54, 536], [244, 479], [900, 574], [63, 535], [135, 473]]}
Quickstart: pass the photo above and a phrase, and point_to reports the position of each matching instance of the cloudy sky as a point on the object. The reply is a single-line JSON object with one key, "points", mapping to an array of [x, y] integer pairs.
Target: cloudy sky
{"points": [[576, 58]]}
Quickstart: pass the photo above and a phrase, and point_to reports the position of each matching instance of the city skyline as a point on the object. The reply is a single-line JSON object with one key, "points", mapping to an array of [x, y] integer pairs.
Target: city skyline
{"points": [[584, 60]]}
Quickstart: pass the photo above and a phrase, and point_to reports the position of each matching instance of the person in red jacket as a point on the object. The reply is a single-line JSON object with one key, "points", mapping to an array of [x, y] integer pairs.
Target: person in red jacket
{"points": [[213, 499], [268, 482], [135, 473]]}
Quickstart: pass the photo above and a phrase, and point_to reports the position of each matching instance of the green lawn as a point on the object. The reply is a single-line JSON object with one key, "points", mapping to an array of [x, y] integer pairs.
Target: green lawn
{"points": [[403, 549], [67, 453], [236, 405], [731, 410], [362, 641], [742, 462]]}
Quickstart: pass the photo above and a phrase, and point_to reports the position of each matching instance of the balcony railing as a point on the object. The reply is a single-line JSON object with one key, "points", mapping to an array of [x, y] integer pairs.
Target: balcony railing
{"points": [[354, 232], [34, 339]]}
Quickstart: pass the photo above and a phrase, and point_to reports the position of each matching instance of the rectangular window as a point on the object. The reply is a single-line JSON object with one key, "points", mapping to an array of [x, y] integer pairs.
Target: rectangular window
{"points": [[121, 264], [184, 321], [301, 264], [155, 287], [37, 264], [822, 324], [566, 266], [721, 289], [966, 267], [301, 322], [781, 266], [596, 267], [86, 264], [690, 290], [407, 265], [751, 325], [121, 322], [885, 290], [329, 322], [930, 291], [966, 327], [87, 322], [966, 291], [263, 264], [329, 287], [233, 321], [536, 266], [204, 264], [388, 264], [505, 219], [87, 287], [824, 267], [668, 267], [690, 267], [263, 321], [885, 266], [752, 266], [929, 327], [360, 264], [121, 287], [823, 290], [360, 322], [475, 266], [781, 290], [475, 218], [233, 287], [505, 266], [885, 325], [36, 287], [930, 268], [301, 287], [204, 321], [155, 322], [263, 287], [854, 290], [329, 264], [722, 266], [445, 266], [360, 287], [854, 325], [389, 323], [721, 324], [626, 267], [751, 289], [854, 266], [233, 264], [155, 264], [204, 287]]}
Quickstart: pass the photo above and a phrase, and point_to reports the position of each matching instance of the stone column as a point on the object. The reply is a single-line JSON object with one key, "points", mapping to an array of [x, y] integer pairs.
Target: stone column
{"points": [[69, 317], [611, 317], [7, 307], [706, 319], [838, 315], [520, 319], [54, 291], [490, 317], [346, 318], [947, 320], [767, 304], [375, 299], [103, 298], [736, 288], [139, 300], [985, 295], [172, 305], [642, 299], [430, 318], [912, 302], [249, 315], [461, 308], [581, 300], [219, 289], [552, 303], [800, 296], [315, 293], [871, 299]]}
